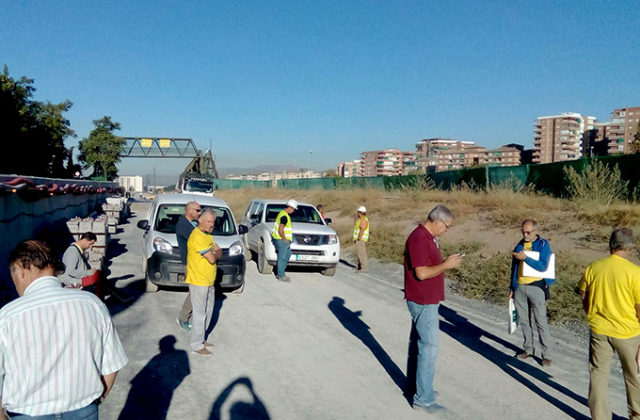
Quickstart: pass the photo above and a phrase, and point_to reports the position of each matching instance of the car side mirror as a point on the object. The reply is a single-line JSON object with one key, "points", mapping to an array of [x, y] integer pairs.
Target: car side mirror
{"points": [[242, 229], [143, 224], [327, 220]]}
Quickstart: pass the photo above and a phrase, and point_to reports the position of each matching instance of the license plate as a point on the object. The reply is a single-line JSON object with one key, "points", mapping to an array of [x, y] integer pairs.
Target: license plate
{"points": [[306, 257]]}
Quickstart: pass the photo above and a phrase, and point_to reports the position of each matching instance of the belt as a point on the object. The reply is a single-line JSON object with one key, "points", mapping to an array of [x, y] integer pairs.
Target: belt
{"points": [[13, 414]]}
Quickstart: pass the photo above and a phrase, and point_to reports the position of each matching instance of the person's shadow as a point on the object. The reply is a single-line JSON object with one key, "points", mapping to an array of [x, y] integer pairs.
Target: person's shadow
{"points": [[215, 316], [466, 333], [152, 388], [352, 322], [240, 410]]}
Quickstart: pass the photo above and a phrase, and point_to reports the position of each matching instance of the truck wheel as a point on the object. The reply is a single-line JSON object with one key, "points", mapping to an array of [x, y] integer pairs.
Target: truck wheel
{"points": [[150, 286], [263, 265], [329, 271]]}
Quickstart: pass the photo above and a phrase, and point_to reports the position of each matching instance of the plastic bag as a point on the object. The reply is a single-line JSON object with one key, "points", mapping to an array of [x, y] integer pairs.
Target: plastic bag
{"points": [[513, 318]]}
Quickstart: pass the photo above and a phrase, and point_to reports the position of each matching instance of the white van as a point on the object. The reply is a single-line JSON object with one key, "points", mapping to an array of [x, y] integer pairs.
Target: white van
{"points": [[161, 255], [314, 243]]}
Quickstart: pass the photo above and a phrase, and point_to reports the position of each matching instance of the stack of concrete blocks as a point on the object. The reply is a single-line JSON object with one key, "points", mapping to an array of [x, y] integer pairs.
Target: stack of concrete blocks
{"points": [[78, 226], [116, 209]]}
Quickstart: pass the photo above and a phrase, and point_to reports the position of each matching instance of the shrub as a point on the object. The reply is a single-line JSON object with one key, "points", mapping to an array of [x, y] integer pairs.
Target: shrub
{"points": [[597, 183]]}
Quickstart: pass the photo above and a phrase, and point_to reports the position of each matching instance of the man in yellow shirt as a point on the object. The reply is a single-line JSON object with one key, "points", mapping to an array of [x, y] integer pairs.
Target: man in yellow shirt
{"points": [[610, 292], [202, 254]]}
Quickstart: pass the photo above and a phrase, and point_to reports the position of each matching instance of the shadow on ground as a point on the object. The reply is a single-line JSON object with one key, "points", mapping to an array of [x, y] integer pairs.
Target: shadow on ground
{"points": [[466, 333], [239, 409], [352, 322], [215, 316], [152, 388]]}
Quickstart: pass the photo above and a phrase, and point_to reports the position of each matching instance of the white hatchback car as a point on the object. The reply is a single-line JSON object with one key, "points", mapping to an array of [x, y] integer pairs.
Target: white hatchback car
{"points": [[161, 255], [314, 243]]}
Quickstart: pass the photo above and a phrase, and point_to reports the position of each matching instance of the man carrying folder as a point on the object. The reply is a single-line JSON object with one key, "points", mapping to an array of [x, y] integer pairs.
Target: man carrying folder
{"points": [[529, 288]]}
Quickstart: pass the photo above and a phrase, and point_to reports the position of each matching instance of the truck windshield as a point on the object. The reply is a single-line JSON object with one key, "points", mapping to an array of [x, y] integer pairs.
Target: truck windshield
{"points": [[168, 215], [199, 186], [305, 214]]}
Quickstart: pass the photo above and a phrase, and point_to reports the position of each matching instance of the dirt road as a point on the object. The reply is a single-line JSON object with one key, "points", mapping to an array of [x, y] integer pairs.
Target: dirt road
{"points": [[329, 348]]}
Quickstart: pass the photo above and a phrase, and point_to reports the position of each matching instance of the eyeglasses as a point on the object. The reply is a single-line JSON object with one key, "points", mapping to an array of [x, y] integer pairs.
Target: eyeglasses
{"points": [[197, 210], [445, 224]]}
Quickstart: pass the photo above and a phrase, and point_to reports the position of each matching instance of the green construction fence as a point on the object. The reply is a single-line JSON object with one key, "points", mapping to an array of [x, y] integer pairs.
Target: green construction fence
{"points": [[234, 184], [548, 177]]}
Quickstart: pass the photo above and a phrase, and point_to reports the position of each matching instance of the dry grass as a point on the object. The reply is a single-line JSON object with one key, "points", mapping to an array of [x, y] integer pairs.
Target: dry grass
{"points": [[489, 223]]}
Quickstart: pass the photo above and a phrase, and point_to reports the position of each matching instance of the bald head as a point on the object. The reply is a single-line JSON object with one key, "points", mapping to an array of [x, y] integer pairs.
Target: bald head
{"points": [[192, 211]]}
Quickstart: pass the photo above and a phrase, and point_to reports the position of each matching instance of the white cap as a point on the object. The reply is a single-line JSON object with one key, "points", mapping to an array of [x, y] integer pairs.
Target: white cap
{"points": [[362, 209], [292, 203]]}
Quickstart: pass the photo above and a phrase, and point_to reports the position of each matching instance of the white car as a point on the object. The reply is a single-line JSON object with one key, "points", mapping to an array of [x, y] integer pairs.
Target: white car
{"points": [[161, 255], [314, 243]]}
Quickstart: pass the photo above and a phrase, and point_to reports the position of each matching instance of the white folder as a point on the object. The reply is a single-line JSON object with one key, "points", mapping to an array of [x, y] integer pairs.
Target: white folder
{"points": [[528, 271]]}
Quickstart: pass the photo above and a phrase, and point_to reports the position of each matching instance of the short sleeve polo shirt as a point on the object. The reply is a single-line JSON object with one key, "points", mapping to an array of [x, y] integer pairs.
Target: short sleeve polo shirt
{"points": [[422, 250], [200, 272]]}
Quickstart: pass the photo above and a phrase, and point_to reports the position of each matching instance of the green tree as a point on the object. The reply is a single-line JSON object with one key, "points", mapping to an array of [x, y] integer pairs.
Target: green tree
{"points": [[102, 149], [32, 132], [635, 143]]}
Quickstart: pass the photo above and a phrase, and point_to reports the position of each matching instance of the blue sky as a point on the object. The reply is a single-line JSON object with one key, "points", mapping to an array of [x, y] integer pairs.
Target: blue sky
{"points": [[312, 83]]}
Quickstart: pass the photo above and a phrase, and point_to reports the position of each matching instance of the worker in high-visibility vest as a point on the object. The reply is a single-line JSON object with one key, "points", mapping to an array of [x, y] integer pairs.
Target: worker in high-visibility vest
{"points": [[360, 238], [282, 236]]}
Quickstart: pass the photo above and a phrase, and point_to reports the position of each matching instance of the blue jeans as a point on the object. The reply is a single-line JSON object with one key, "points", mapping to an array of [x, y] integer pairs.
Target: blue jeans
{"points": [[283, 249], [426, 323], [89, 412]]}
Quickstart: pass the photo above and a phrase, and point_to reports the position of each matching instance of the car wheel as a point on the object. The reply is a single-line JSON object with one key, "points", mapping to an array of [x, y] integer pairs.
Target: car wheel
{"points": [[329, 271], [263, 265], [151, 287]]}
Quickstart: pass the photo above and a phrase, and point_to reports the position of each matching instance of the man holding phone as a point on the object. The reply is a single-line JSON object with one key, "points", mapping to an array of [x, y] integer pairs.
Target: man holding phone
{"points": [[530, 292], [424, 290]]}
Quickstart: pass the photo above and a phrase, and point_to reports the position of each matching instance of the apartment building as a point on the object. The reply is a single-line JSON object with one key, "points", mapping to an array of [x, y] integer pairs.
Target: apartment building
{"points": [[274, 176], [595, 140], [349, 169], [409, 162], [381, 163], [440, 153], [622, 129], [559, 137], [131, 183]]}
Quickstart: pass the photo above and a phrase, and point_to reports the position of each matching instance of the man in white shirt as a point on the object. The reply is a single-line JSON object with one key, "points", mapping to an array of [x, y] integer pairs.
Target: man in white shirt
{"points": [[59, 350]]}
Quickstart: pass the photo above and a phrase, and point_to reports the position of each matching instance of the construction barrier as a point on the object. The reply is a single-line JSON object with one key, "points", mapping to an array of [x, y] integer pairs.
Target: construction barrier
{"points": [[548, 178], [234, 184]]}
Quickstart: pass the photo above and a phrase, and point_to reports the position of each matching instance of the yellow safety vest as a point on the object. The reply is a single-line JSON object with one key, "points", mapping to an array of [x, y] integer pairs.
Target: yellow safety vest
{"points": [[287, 228], [356, 230]]}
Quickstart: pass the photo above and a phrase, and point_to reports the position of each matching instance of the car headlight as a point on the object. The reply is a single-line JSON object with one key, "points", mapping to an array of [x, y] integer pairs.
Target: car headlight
{"points": [[332, 239], [161, 245], [236, 249]]}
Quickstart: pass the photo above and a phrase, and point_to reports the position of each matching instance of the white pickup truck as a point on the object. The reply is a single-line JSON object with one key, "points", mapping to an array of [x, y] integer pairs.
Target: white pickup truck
{"points": [[314, 243]]}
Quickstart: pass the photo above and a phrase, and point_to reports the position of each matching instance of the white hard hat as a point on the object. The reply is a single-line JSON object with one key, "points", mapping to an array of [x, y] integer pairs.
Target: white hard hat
{"points": [[292, 203], [362, 209]]}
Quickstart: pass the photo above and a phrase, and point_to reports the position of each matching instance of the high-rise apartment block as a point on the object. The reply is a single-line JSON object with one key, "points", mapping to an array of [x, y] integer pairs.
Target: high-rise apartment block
{"points": [[559, 137], [382, 163], [622, 129]]}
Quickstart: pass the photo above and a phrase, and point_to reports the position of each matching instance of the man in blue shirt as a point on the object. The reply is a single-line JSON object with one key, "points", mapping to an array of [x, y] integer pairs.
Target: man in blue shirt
{"points": [[530, 293], [184, 227]]}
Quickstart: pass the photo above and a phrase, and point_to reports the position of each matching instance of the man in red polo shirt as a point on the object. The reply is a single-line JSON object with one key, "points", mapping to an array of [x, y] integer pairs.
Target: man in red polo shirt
{"points": [[424, 290]]}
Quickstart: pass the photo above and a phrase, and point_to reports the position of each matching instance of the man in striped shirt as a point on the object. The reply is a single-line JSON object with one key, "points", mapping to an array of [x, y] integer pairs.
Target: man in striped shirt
{"points": [[59, 350]]}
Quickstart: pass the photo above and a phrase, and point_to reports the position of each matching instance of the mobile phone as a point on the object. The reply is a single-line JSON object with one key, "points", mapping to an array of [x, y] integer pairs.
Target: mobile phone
{"points": [[462, 254]]}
